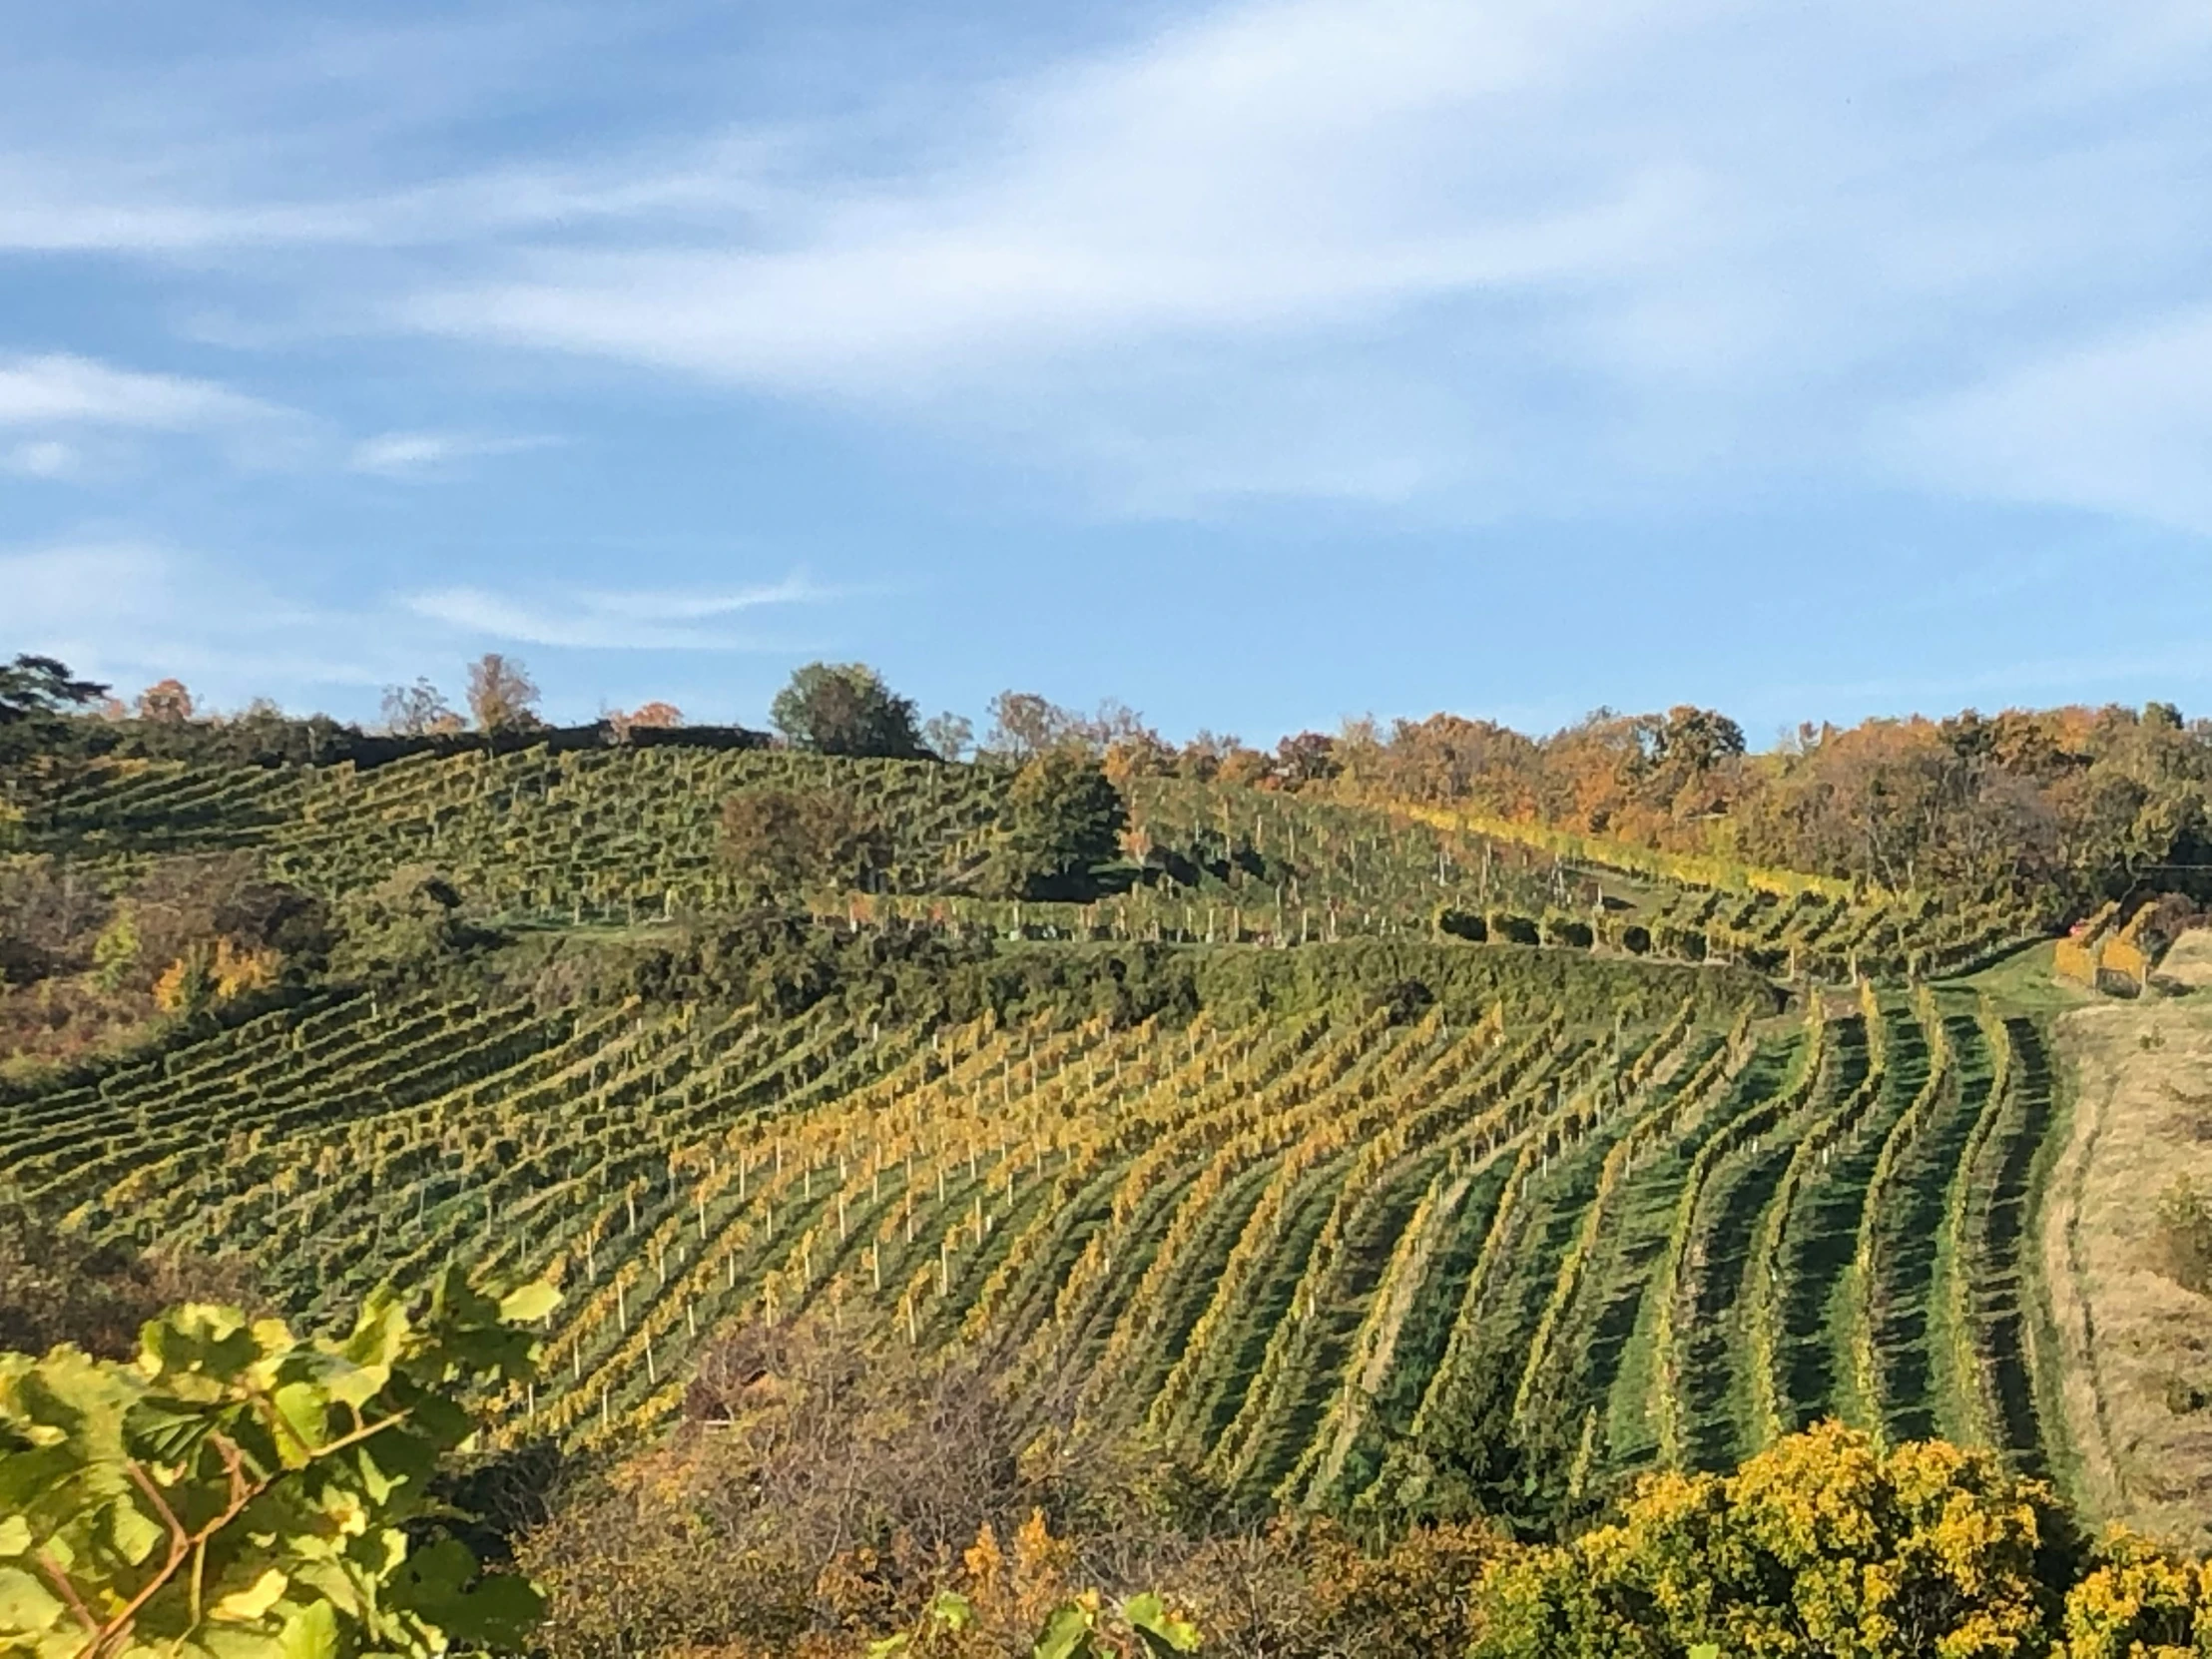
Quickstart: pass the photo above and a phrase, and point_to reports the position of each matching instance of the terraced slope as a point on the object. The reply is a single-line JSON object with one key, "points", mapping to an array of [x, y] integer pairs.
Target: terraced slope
{"points": [[1299, 1247], [628, 834]]}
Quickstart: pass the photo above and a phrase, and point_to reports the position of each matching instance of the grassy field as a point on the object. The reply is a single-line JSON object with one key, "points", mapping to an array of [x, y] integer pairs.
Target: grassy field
{"points": [[2134, 1347]]}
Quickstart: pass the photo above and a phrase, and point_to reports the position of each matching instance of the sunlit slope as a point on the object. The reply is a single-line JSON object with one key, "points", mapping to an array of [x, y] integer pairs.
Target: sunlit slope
{"points": [[626, 834], [1300, 1244]]}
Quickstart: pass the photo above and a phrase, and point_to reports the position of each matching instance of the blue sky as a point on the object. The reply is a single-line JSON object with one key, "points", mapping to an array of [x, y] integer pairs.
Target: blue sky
{"points": [[1257, 363]]}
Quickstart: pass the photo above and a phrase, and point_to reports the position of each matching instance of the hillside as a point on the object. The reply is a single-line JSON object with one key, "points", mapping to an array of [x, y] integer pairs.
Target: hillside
{"points": [[538, 836], [1349, 1157], [2124, 1251], [1281, 1222]]}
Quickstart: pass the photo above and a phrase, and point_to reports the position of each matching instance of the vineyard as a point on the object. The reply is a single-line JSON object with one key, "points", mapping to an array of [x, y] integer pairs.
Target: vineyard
{"points": [[1362, 1159], [620, 836], [1297, 1246]]}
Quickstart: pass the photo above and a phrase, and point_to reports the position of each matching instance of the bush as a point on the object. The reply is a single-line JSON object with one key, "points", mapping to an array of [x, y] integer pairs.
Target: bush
{"points": [[1823, 1543], [1462, 924], [1507, 928], [2183, 1237], [1403, 1000], [830, 1486], [1570, 932], [782, 841]]}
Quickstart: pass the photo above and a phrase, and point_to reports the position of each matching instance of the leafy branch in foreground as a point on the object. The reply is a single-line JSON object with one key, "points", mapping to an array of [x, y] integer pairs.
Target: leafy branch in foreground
{"points": [[1082, 1627], [236, 1492]]}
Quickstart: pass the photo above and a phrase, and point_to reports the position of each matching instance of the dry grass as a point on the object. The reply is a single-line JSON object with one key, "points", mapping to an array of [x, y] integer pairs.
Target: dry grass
{"points": [[2136, 1348]]}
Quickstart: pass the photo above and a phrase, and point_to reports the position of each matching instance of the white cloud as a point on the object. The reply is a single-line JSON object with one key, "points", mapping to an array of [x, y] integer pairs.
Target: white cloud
{"points": [[643, 619], [134, 611], [1273, 168], [2120, 424], [42, 458], [62, 389], [1482, 256], [420, 454], [1532, 255]]}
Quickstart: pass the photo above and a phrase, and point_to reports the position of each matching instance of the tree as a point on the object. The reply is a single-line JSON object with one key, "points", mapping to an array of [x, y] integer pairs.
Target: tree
{"points": [[785, 841], [1308, 757], [36, 688], [501, 694], [58, 1285], [1208, 757], [1025, 725], [947, 736], [654, 717], [417, 710], [1063, 818], [413, 915], [1143, 753], [846, 709], [237, 1490], [34, 693], [165, 703]]}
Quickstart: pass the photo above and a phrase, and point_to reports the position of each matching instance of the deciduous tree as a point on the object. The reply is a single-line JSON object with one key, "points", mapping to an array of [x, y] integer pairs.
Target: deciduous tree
{"points": [[1063, 818], [948, 736], [846, 709], [501, 694], [783, 841], [165, 703], [417, 710], [652, 716]]}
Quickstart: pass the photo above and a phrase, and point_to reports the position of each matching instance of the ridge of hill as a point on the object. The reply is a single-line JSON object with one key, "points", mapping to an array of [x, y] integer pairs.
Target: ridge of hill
{"points": [[547, 836]]}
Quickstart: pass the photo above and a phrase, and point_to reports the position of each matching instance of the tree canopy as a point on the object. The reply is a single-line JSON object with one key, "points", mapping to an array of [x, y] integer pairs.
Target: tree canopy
{"points": [[35, 691], [782, 841], [1063, 818], [846, 709], [501, 694]]}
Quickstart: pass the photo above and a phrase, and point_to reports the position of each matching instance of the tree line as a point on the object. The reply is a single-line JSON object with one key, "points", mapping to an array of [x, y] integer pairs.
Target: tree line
{"points": [[2056, 808]]}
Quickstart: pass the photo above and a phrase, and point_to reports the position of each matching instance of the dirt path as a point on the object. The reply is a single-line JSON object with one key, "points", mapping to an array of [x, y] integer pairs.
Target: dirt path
{"points": [[2136, 1347]]}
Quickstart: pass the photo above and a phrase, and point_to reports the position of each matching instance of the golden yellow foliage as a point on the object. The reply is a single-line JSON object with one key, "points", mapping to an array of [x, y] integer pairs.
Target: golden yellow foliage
{"points": [[2139, 1602], [239, 968], [1823, 1545]]}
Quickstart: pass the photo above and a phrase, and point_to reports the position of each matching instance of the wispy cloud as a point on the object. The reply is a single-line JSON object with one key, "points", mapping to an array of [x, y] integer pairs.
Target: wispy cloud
{"points": [[643, 619], [1451, 257], [135, 610], [41, 458], [59, 390], [434, 454], [132, 611], [2116, 425], [1271, 167], [1521, 256]]}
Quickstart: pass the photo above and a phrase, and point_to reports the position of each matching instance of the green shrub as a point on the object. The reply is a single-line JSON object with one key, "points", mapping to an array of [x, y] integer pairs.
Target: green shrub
{"points": [[2183, 1237], [1462, 924]]}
